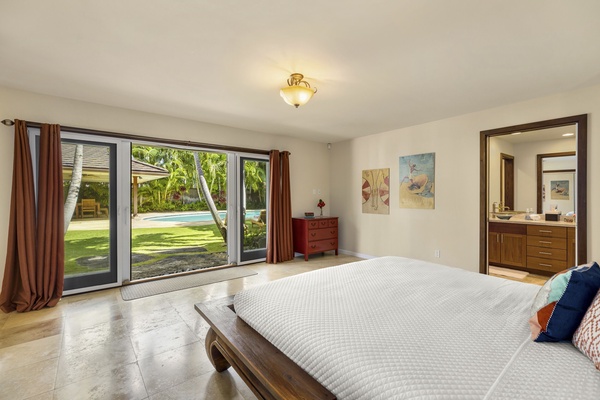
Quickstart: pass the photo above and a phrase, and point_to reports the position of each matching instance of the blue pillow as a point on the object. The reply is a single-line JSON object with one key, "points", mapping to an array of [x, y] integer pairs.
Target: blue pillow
{"points": [[562, 302]]}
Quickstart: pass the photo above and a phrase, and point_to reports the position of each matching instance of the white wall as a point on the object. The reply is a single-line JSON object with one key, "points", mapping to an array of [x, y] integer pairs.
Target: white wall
{"points": [[453, 227], [309, 161]]}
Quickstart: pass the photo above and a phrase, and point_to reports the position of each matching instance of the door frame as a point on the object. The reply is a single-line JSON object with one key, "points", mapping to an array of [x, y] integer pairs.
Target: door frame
{"points": [[507, 180], [239, 219], [581, 207], [118, 221]]}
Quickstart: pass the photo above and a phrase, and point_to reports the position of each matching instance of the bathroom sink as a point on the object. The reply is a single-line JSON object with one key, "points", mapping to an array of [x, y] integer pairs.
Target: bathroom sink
{"points": [[506, 215]]}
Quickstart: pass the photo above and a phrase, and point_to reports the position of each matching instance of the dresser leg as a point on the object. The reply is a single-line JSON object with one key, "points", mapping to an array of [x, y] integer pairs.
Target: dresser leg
{"points": [[305, 256]]}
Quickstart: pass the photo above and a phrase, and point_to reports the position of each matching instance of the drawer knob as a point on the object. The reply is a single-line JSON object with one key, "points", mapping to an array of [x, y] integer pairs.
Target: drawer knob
{"points": [[545, 252], [545, 231], [545, 242], [545, 265], [313, 234], [314, 246]]}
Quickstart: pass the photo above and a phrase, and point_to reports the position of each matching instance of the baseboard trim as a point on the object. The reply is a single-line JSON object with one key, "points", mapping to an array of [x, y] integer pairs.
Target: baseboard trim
{"points": [[359, 255]]}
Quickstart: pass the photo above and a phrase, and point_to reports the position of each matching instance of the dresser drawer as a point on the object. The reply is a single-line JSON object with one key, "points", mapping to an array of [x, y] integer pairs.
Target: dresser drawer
{"points": [[547, 231], [324, 223], [546, 264], [320, 234], [550, 242], [312, 224], [546, 252], [322, 245]]}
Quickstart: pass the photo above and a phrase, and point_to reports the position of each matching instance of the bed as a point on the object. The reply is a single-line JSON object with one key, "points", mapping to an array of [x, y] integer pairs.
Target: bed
{"points": [[392, 327]]}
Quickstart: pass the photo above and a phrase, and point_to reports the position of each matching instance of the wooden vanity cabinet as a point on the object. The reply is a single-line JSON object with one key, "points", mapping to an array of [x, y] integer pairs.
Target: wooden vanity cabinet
{"points": [[550, 248], [507, 245], [539, 249]]}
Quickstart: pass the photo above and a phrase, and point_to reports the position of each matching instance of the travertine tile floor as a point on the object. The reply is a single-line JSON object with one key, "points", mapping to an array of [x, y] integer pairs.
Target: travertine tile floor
{"points": [[97, 346]]}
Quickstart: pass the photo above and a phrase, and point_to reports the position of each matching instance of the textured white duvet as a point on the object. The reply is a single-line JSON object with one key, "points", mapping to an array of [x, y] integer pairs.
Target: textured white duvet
{"points": [[398, 328]]}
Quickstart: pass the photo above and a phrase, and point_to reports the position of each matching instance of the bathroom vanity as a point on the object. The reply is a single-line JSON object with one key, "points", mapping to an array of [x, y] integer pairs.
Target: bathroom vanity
{"points": [[540, 247]]}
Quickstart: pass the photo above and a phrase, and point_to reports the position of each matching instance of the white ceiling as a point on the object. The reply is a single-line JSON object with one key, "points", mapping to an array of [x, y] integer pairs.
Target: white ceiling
{"points": [[555, 133], [378, 65]]}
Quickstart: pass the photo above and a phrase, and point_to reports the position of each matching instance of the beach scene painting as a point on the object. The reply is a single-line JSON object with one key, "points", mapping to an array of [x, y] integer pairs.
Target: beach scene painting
{"points": [[376, 191], [560, 190], [417, 181]]}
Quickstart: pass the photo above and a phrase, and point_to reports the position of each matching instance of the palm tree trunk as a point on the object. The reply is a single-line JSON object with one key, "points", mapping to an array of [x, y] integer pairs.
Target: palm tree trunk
{"points": [[208, 198], [71, 200]]}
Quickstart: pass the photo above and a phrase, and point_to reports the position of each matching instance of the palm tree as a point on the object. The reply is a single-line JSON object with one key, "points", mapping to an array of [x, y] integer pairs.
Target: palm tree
{"points": [[74, 186], [255, 178], [208, 198]]}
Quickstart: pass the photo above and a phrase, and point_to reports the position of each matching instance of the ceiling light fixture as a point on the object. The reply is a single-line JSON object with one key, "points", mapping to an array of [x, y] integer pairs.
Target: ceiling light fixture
{"points": [[298, 92]]}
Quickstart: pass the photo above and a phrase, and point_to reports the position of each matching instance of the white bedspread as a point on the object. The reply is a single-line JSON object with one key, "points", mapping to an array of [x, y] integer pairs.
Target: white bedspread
{"points": [[398, 328]]}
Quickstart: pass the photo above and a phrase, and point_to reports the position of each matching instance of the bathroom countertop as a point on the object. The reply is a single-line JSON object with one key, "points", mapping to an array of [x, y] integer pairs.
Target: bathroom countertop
{"points": [[520, 219]]}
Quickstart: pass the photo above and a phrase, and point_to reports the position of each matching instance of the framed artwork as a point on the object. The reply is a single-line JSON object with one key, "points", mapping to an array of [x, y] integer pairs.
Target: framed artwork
{"points": [[558, 191], [417, 181], [376, 191]]}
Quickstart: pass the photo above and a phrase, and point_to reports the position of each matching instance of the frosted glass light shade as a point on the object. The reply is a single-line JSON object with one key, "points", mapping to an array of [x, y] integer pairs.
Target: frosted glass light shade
{"points": [[296, 95]]}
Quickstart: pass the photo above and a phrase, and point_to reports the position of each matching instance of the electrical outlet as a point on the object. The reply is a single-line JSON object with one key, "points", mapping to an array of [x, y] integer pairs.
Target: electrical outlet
{"points": [[318, 191], [437, 254], [314, 191]]}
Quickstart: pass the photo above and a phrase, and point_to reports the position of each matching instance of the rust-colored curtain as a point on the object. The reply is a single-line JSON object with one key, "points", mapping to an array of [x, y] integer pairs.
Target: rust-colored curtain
{"points": [[50, 220], [34, 269], [280, 246]]}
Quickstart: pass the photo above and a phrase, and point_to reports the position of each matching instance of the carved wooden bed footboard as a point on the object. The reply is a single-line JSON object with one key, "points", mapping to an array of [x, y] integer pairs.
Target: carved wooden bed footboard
{"points": [[268, 372]]}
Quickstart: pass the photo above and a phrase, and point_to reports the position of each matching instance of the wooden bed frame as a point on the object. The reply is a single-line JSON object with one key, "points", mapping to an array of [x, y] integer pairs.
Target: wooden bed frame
{"points": [[268, 372]]}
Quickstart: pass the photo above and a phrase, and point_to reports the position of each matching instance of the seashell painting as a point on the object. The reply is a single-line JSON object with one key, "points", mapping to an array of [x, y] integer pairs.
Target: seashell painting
{"points": [[417, 181]]}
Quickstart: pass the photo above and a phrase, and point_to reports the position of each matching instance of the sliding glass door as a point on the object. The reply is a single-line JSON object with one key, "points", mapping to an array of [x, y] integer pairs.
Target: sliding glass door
{"points": [[140, 210], [179, 204], [89, 183], [253, 189], [92, 239]]}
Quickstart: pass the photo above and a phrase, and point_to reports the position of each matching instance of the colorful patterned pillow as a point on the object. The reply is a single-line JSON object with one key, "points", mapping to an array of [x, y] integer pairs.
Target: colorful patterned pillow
{"points": [[587, 336], [562, 302]]}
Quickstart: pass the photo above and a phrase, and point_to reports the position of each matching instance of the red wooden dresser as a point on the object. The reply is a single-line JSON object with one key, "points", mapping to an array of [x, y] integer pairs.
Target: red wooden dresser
{"points": [[315, 235]]}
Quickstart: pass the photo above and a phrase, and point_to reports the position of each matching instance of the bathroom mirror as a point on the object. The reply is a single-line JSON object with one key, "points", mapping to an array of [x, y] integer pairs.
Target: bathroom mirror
{"points": [[556, 182], [524, 143]]}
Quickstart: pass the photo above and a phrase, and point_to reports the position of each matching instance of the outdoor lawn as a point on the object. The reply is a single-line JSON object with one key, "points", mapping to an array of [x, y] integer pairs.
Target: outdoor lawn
{"points": [[86, 251]]}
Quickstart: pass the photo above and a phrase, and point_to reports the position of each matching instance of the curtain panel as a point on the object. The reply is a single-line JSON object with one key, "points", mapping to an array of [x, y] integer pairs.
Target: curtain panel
{"points": [[34, 268], [280, 245]]}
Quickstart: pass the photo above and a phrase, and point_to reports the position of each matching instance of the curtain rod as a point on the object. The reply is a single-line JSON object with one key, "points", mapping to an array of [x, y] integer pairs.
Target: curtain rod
{"points": [[9, 122]]}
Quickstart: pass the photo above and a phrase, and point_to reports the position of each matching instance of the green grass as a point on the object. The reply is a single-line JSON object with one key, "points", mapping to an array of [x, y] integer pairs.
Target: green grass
{"points": [[148, 241]]}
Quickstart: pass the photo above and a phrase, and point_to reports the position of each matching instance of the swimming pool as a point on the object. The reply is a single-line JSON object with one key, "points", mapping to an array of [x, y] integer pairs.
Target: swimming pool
{"points": [[201, 216]]}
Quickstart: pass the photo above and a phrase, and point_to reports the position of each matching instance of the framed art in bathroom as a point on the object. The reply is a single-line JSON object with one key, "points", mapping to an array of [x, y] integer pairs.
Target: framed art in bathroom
{"points": [[559, 191]]}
